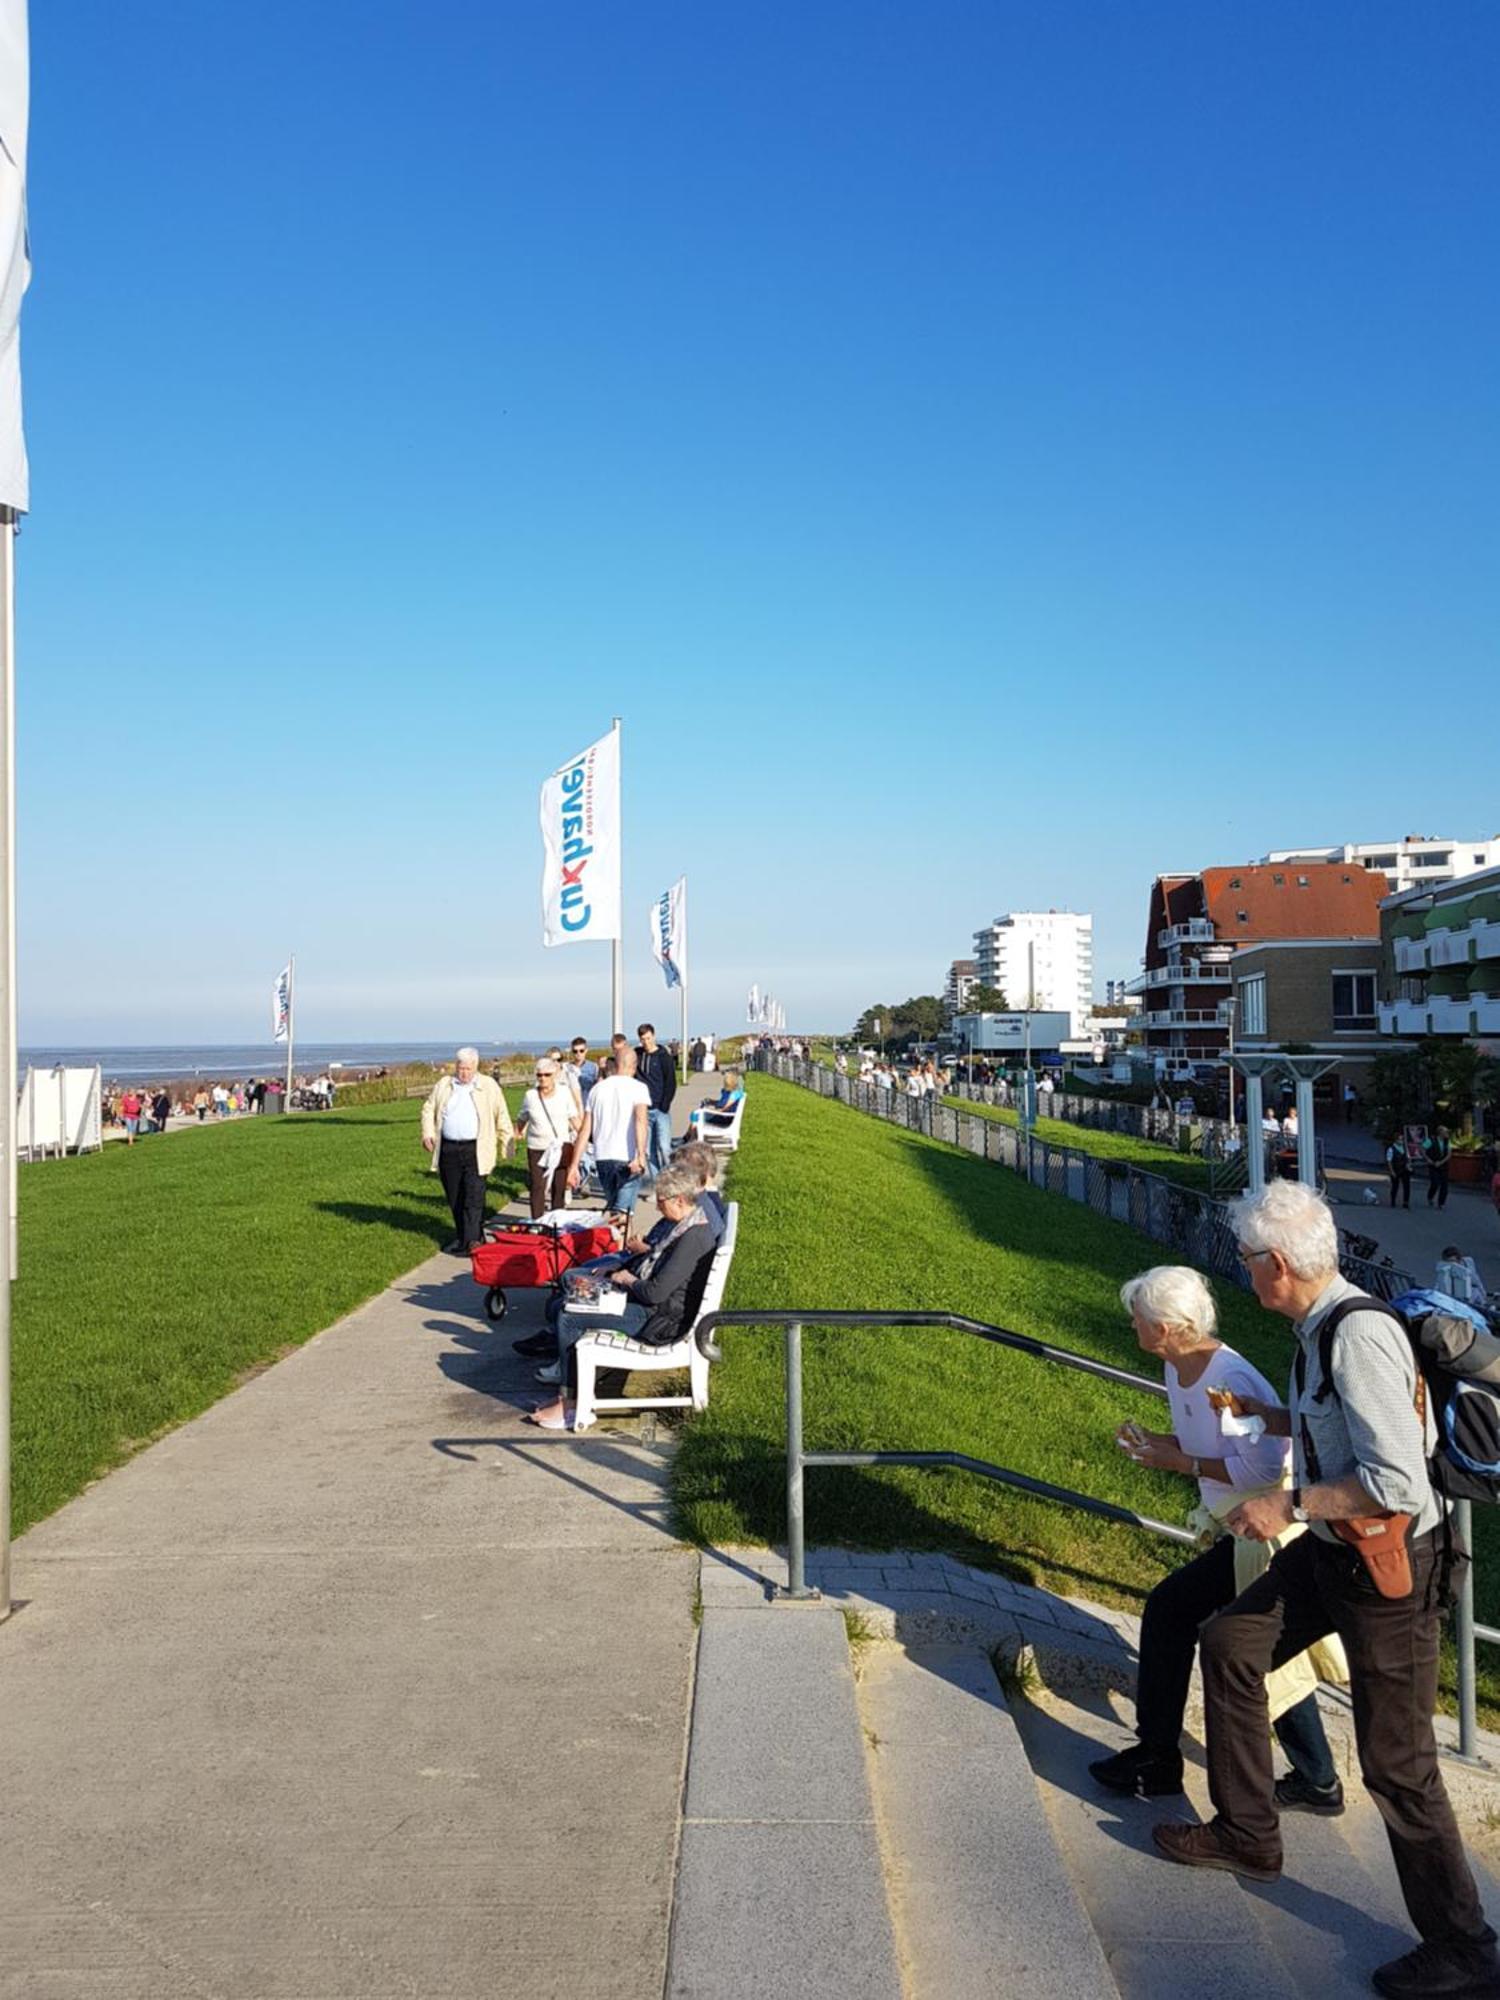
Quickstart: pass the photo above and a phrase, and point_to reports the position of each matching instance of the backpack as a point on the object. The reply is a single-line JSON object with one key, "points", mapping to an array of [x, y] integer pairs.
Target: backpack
{"points": [[1458, 1358]]}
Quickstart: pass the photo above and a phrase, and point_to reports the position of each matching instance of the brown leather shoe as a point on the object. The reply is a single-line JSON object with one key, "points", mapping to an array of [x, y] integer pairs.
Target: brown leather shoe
{"points": [[1209, 1847]]}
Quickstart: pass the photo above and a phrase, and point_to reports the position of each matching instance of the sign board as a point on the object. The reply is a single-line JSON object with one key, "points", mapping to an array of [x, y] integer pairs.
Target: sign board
{"points": [[1008, 1033], [58, 1112]]}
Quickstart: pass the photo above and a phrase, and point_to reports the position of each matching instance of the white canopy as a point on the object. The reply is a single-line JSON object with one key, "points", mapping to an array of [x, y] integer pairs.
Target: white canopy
{"points": [[15, 260]]}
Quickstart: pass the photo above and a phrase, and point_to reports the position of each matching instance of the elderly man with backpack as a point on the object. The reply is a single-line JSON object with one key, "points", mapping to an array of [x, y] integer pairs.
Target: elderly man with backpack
{"points": [[1377, 1566]]}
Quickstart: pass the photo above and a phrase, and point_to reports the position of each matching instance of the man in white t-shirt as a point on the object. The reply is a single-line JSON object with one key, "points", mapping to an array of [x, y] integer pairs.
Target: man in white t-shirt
{"points": [[615, 1125]]}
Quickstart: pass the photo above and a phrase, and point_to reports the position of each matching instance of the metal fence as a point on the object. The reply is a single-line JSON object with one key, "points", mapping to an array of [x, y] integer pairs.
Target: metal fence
{"points": [[1190, 1222]]}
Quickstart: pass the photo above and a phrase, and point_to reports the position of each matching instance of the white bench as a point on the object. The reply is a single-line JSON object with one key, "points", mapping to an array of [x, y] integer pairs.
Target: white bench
{"points": [[617, 1350], [727, 1136]]}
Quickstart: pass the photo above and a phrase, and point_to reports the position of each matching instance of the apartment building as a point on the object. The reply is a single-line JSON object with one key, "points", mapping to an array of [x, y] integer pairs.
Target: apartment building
{"points": [[963, 977], [1199, 923], [1440, 959], [1421, 860], [1318, 995], [1040, 959]]}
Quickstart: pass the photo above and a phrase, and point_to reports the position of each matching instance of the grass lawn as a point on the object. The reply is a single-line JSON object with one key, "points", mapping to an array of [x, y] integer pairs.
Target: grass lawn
{"points": [[154, 1278], [1146, 1154], [839, 1210]]}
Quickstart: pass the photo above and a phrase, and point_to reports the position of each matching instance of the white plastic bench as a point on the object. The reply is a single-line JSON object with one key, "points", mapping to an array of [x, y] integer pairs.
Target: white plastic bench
{"points": [[617, 1350], [727, 1136]]}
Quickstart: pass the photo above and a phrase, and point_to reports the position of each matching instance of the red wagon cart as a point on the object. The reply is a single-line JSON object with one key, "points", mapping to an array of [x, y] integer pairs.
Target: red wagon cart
{"points": [[525, 1256]]}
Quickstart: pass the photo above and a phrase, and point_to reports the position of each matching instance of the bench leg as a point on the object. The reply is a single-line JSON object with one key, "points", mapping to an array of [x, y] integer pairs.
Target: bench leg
{"points": [[583, 1415]]}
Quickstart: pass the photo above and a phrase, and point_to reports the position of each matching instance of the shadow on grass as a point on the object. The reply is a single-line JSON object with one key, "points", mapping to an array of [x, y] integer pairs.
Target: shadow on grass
{"points": [[425, 1220]]}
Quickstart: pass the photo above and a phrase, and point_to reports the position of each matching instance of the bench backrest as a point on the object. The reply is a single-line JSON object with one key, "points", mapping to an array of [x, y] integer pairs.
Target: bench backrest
{"points": [[718, 1268]]}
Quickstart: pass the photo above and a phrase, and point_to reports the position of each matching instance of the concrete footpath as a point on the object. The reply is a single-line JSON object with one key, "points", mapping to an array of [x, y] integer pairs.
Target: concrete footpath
{"points": [[355, 1686]]}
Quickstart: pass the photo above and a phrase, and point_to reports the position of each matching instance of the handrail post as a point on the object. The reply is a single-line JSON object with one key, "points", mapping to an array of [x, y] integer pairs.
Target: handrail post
{"points": [[1463, 1634], [796, 1550]]}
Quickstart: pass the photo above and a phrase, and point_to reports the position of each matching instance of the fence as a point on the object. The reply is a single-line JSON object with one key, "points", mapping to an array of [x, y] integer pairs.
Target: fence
{"points": [[1102, 1114], [1193, 1224]]}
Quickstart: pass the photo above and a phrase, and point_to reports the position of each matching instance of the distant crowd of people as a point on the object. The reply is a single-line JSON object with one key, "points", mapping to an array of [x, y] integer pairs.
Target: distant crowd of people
{"points": [[140, 1109]]}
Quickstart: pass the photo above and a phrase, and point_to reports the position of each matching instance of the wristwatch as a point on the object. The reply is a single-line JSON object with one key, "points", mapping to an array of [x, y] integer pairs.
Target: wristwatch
{"points": [[1299, 1512]]}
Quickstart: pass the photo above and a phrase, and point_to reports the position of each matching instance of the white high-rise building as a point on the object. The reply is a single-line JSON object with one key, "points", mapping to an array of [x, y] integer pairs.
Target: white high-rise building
{"points": [[1419, 861], [1040, 959]]}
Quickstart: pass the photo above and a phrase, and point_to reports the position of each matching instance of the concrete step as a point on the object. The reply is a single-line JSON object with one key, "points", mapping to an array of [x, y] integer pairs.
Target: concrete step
{"points": [[780, 1888], [983, 1904], [1197, 1934]]}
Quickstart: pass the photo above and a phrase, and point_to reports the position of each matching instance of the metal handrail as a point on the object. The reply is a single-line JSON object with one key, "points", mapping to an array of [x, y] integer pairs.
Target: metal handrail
{"points": [[1466, 1630]]}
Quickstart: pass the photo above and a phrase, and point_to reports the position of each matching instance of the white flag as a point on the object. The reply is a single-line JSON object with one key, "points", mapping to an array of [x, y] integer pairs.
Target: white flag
{"points": [[15, 253], [752, 1005], [581, 847], [669, 932], [281, 1005]]}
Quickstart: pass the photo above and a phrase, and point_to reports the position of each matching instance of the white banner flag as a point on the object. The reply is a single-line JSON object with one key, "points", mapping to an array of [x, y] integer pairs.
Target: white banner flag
{"points": [[669, 932], [752, 1005], [281, 1005], [581, 847]]}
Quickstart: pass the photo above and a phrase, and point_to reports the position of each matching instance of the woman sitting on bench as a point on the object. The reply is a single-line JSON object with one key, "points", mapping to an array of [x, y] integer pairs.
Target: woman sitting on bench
{"points": [[721, 1112], [662, 1290]]}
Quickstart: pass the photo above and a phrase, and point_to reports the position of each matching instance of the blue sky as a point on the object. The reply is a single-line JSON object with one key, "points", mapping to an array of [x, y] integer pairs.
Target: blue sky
{"points": [[987, 454]]}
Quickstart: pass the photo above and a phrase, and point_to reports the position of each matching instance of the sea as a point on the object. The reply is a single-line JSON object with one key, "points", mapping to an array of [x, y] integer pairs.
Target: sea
{"points": [[233, 1061]]}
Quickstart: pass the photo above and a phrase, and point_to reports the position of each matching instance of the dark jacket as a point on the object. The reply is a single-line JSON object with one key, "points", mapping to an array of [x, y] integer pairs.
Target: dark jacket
{"points": [[659, 1074], [674, 1286]]}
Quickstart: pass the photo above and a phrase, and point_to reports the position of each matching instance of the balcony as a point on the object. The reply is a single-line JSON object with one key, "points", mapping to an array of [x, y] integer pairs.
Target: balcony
{"points": [[1197, 930], [1403, 1017], [1411, 954], [1186, 975], [1187, 1017], [1485, 1008], [1448, 948], [1449, 1013]]}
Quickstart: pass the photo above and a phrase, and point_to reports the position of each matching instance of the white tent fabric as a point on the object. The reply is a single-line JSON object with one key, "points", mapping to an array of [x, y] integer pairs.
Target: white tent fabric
{"points": [[15, 259]]}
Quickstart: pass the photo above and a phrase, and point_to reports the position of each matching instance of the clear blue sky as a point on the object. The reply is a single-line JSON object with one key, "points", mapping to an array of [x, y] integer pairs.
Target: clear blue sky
{"points": [[987, 453]]}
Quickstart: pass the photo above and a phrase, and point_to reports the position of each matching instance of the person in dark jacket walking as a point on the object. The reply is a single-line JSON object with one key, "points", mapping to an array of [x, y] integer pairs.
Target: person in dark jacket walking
{"points": [[655, 1068], [1439, 1152], [1398, 1166], [663, 1288]]}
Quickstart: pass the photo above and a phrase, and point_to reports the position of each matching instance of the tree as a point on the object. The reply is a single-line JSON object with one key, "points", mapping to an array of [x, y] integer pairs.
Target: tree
{"points": [[865, 1029], [986, 1000], [920, 1019]]}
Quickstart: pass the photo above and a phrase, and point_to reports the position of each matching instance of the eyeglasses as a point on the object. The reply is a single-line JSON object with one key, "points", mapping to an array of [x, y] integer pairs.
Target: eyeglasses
{"points": [[541, 1073], [1249, 1256]]}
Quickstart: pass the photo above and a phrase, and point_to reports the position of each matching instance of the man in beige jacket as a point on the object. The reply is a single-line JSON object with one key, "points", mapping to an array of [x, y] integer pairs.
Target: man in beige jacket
{"points": [[464, 1123]]}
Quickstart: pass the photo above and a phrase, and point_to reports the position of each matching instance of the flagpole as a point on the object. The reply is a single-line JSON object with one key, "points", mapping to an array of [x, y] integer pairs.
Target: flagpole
{"points": [[291, 1022], [617, 948]]}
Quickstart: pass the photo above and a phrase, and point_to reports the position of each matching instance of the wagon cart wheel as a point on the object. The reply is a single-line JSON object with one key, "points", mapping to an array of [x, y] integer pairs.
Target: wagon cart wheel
{"points": [[494, 1303]]}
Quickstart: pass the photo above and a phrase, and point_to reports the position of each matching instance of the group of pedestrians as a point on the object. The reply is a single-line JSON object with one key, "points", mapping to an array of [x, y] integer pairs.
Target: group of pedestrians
{"points": [[1330, 1530], [611, 1118], [1435, 1151]]}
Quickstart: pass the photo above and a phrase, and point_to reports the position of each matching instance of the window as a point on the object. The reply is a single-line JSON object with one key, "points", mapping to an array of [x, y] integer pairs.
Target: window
{"points": [[1381, 861], [1253, 1005], [1301, 881], [1353, 1001], [1235, 882], [1279, 881], [1431, 860], [1478, 860], [1242, 916]]}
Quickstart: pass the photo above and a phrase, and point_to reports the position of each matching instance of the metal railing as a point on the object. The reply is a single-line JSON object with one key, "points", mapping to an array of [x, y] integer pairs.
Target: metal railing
{"points": [[1465, 1630]]}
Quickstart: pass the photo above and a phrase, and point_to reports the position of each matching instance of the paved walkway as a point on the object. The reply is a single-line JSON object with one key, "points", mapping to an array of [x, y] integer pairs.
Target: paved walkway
{"points": [[355, 1686]]}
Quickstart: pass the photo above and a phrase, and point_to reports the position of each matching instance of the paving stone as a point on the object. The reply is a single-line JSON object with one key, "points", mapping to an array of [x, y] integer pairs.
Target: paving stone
{"points": [[775, 1729], [778, 1912]]}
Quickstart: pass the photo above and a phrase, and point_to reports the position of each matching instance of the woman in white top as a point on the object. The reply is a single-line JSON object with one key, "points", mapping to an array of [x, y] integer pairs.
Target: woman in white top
{"points": [[1174, 1317], [550, 1121]]}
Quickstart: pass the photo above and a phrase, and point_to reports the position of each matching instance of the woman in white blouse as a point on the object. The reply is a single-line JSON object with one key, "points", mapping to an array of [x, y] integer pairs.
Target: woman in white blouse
{"points": [[1175, 1319], [550, 1120]]}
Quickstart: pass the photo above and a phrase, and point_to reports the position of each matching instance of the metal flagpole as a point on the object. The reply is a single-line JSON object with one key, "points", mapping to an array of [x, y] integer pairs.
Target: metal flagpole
{"points": [[7, 1013], [617, 948], [291, 1022], [682, 975]]}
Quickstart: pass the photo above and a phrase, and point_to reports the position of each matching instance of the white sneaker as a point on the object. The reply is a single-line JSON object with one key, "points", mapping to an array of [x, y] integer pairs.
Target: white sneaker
{"points": [[550, 1371]]}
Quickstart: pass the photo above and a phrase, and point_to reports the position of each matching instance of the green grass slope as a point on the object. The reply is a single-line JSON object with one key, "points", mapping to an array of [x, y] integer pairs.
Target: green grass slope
{"points": [[1146, 1154], [153, 1278]]}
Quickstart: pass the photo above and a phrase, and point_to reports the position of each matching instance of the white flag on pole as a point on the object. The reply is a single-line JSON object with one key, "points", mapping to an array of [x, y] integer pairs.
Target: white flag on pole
{"points": [[580, 813], [281, 1005], [669, 932], [15, 253], [752, 1006]]}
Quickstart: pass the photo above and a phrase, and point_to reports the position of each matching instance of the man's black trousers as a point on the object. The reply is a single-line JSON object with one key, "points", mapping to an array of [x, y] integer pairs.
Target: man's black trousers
{"points": [[463, 1184], [1312, 1588]]}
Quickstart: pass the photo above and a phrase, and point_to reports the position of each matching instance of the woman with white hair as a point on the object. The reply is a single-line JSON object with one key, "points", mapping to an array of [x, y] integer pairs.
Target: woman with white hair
{"points": [[1175, 1319]]}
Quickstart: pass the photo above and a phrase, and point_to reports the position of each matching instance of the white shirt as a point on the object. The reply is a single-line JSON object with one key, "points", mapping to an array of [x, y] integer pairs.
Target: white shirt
{"points": [[1197, 1425], [612, 1112], [546, 1118], [460, 1113]]}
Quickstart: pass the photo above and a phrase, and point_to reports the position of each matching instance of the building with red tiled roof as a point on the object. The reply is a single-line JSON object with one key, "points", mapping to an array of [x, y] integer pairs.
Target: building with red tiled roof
{"points": [[1198, 922]]}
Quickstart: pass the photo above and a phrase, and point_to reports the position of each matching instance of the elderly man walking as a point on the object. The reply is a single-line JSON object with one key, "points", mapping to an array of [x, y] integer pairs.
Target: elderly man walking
{"points": [[464, 1123], [1361, 1435]]}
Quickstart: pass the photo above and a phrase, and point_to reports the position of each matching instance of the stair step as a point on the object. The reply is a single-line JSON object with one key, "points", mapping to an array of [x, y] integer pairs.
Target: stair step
{"points": [[780, 1888], [984, 1905], [1164, 1930]]}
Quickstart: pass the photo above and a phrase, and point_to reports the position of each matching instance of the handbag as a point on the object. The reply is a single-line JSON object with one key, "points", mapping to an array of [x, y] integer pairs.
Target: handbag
{"points": [[1379, 1540]]}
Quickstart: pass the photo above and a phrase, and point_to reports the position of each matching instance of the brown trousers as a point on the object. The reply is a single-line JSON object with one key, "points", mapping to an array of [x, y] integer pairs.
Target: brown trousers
{"points": [[545, 1193]]}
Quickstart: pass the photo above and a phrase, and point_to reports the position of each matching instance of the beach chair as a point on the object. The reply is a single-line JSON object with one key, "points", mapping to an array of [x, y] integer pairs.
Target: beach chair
{"points": [[615, 1350], [725, 1136]]}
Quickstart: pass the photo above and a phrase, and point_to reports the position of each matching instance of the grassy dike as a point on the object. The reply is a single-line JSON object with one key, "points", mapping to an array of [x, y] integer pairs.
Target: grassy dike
{"points": [[1147, 1154], [839, 1210], [154, 1278]]}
